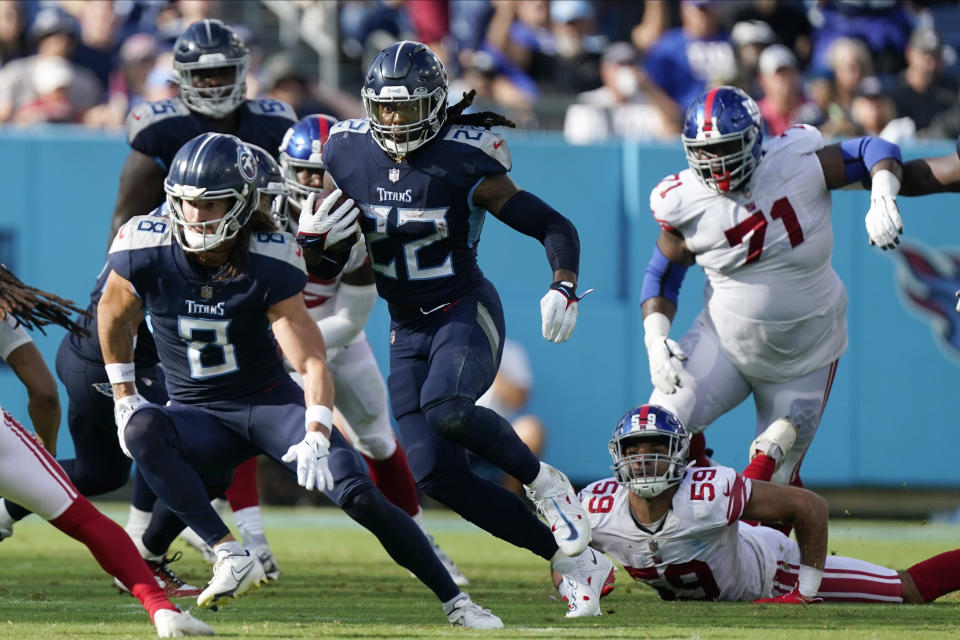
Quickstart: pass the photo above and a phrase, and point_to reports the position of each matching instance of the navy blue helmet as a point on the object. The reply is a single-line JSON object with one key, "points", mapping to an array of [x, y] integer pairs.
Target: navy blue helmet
{"points": [[649, 474], [302, 149], [212, 166], [206, 46], [722, 134], [407, 82], [270, 185]]}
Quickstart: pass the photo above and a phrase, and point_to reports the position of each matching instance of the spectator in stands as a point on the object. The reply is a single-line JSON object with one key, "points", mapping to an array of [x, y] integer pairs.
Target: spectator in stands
{"points": [[13, 31], [128, 82], [685, 60], [882, 25], [850, 61], [945, 125], [750, 37], [521, 32], [874, 112], [55, 34], [628, 105], [579, 46], [783, 102], [656, 19], [787, 19], [921, 91], [98, 43], [161, 83], [51, 82], [508, 396], [360, 19], [281, 80], [430, 22]]}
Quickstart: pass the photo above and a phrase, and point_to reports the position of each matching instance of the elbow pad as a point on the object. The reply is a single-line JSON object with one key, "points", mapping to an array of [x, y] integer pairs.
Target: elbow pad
{"points": [[662, 278], [860, 154]]}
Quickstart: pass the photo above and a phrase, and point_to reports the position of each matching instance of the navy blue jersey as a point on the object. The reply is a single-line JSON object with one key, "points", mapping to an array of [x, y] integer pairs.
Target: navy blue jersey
{"points": [[158, 129], [213, 336], [419, 222], [88, 347]]}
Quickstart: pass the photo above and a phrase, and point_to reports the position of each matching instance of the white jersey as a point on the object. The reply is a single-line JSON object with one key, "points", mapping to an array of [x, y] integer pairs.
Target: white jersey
{"points": [[700, 551], [320, 295], [777, 305]]}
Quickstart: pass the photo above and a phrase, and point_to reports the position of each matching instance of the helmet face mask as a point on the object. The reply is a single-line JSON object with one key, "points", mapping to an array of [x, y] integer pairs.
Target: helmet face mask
{"points": [[301, 160], [722, 137], [272, 192], [211, 62], [662, 461], [212, 166], [405, 97]]}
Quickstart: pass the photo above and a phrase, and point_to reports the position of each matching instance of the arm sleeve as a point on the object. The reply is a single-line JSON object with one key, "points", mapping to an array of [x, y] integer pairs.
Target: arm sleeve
{"points": [[531, 216], [351, 310]]}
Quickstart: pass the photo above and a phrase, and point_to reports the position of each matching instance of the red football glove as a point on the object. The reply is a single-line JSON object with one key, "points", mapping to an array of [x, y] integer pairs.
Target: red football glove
{"points": [[793, 597]]}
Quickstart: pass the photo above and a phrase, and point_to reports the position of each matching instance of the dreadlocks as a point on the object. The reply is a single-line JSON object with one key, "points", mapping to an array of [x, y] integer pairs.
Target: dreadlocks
{"points": [[485, 119], [34, 308]]}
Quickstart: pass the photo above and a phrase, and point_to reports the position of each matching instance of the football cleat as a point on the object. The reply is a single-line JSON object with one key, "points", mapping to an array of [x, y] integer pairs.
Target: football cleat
{"points": [[775, 441], [264, 555], [176, 624], [6, 522], [584, 580], [173, 585], [455, 574], [233, 576], [464, 612], [558, 504], [194, 541]]}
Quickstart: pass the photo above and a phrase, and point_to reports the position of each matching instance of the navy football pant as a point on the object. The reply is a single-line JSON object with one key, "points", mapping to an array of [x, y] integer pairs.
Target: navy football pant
{"points": [[184, 451], [99, 466], [439, 365]]}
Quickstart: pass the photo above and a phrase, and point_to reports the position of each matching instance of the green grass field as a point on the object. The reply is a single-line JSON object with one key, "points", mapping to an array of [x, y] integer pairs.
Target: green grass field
{"points": [[337, 582]]}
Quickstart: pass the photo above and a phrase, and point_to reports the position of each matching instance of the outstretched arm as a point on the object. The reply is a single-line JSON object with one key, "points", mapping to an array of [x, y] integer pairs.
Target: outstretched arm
{"points": [[931, 175], [43, 402], [808, 514]]}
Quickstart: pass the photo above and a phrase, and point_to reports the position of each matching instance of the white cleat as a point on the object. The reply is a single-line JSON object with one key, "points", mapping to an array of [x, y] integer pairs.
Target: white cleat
{"points": [[464, 612], [6, 522], [264, 555], [177, 624], [775, 441], [584, 580], [455, 574], [194, 541], [558, 504], [233, 576]]}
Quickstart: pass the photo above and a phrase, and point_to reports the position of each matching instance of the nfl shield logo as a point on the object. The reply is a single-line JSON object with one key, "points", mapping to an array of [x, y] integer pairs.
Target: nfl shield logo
{"points": [[206, 292], [394, 174]]}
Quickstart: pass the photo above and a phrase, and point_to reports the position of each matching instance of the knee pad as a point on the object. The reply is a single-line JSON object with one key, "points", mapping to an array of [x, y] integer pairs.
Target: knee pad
{"points": [[451, 418], [146, 429]]}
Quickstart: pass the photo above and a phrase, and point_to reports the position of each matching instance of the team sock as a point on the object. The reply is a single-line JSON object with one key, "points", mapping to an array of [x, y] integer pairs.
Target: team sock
{"points": [[392, 476], [242, 492], [937, 575]]}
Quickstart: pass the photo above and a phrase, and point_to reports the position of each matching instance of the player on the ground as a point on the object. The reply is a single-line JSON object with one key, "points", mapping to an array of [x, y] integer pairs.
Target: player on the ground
{"points": [[758, 223], [30, 475], [341, 306], [678, 528], [224, 288], [423, 176]]}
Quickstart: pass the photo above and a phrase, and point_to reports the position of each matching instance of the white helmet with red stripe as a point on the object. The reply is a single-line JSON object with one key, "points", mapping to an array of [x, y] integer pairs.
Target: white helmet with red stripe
{"points": [[722, 134]]}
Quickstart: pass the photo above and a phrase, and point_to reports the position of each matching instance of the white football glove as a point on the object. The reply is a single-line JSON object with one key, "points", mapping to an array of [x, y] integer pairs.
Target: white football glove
{"points": [[558, 311], [313, 461], [122, 410], [883, 222], [324, 228], [660, 350]]}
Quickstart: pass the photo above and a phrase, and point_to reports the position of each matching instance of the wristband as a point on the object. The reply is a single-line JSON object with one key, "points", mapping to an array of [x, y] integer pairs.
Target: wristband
{"points": [[884, 183], [808, 582], [318, 413], [119, 372]]}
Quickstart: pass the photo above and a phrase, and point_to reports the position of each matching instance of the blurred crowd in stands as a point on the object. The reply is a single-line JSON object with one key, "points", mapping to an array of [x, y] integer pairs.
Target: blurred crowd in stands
{"points": [[597, 69]]}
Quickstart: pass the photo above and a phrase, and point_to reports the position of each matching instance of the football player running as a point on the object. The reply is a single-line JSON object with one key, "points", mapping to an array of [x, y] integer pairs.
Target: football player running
{"points": [[30, 475], [341, 306], [758, 222], [678, 528], [210, 63], [423, 176], [224, 289]]}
